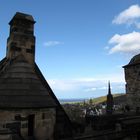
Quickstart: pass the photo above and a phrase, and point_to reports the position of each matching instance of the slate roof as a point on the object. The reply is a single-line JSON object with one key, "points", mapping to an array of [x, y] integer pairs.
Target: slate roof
{"points": [[21, 85], [134, 61]]}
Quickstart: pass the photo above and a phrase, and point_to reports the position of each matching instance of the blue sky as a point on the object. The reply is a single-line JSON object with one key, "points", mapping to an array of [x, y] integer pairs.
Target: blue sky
{"points": [[80, 44]]}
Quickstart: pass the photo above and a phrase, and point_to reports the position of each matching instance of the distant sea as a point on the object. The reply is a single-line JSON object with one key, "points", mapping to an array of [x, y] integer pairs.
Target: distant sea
{"points": [[70, 100]]}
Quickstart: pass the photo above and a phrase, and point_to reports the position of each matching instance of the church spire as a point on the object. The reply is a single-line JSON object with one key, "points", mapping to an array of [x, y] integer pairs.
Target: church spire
{"points": [[109, 102], [109, 88]]}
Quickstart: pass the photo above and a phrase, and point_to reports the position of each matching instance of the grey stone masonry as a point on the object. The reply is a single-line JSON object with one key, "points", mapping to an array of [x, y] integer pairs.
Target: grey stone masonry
{"points": [[132, 78]]}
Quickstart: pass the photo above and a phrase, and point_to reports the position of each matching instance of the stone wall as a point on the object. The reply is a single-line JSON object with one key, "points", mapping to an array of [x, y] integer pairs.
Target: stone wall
{"points": [[132, 77], [18, 120]]}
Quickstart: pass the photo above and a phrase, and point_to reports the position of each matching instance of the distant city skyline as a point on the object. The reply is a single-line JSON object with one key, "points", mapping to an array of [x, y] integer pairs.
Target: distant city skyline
{"points": [[80, 44]]}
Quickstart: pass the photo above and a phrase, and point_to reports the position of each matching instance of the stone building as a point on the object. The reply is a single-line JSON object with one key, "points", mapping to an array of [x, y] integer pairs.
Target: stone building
{"points": [[132, 77], [109, 102], [28, 107]]}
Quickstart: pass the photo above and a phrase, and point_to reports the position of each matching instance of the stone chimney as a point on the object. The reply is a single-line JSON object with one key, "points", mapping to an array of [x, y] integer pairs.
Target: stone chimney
{"points": [[21, 40]]}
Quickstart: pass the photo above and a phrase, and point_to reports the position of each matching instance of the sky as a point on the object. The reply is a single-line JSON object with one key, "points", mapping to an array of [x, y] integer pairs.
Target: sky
{"points": [[80, 44]]}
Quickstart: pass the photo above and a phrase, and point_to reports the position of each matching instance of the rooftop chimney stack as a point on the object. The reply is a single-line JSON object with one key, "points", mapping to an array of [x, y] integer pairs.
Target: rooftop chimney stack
{"points": [[21, 40]]}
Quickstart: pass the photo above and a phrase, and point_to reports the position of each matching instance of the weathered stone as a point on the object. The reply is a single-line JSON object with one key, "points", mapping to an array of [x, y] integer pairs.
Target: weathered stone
{"points": [[132, 77], [28, 106]]}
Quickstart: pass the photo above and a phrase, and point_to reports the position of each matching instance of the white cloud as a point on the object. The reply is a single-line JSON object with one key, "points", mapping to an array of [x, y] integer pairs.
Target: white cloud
{"points": [[103, 88], [52, 43], [63, 85], [85, 84], [86, 87], [126, 43], [90, 89], [129, 16]]}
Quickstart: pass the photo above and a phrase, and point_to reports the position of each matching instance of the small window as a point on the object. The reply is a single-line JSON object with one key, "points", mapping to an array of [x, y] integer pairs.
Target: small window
{"points": [[4, 125], [14, 29], [28, 32], [14, 48], [29, 50], [13, 44], [44, 116]]}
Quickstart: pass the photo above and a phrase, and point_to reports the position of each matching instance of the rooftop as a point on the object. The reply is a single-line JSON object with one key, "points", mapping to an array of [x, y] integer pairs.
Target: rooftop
{"points": [[134, 61], [24, 16]]}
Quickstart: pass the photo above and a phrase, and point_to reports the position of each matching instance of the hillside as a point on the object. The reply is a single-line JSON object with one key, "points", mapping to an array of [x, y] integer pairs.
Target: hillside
{"points": [[118, 98]]}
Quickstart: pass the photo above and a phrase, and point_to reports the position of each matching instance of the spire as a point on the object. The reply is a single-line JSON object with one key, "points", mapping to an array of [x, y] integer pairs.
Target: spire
{"points": [[109, 88], [109, 102]]}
